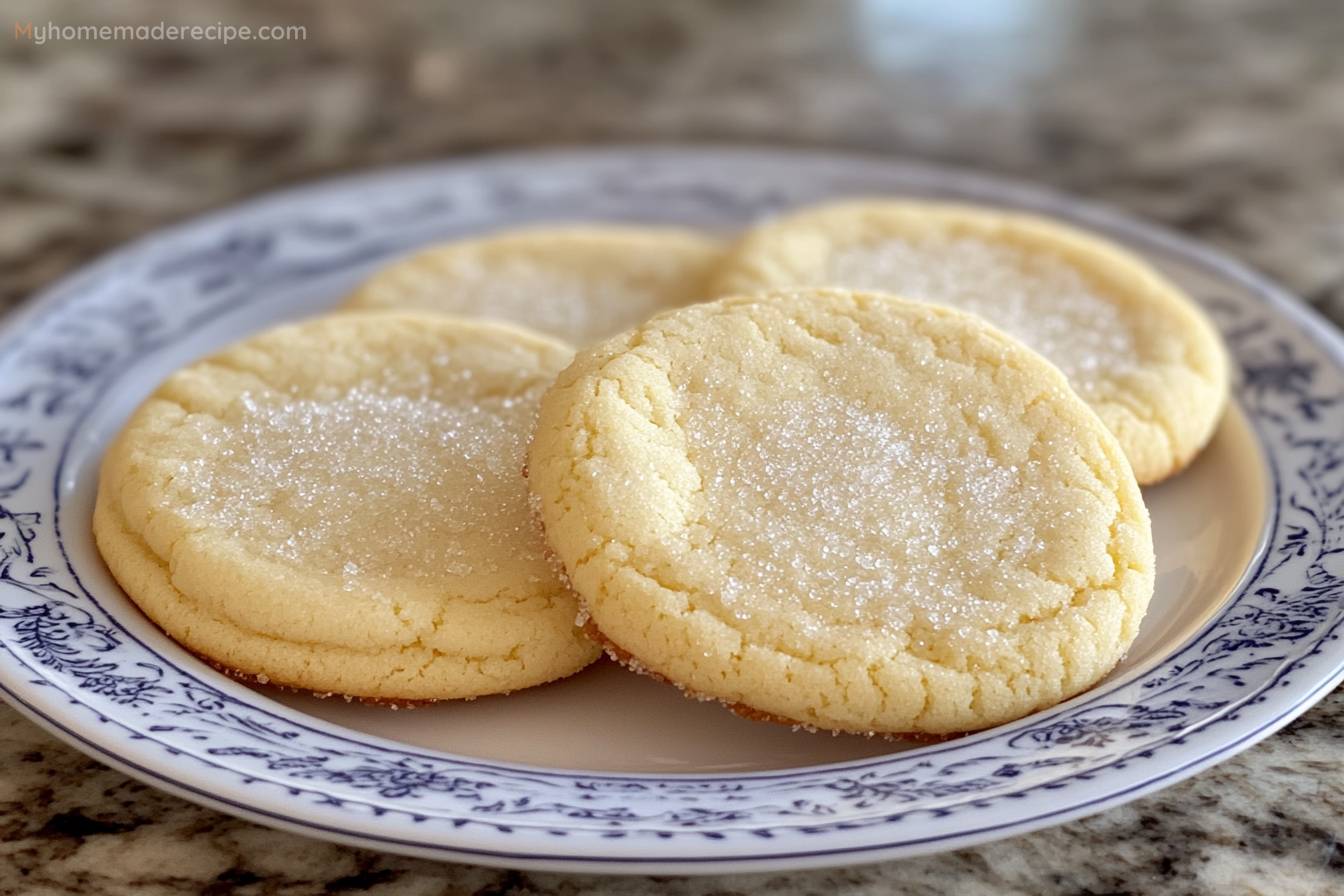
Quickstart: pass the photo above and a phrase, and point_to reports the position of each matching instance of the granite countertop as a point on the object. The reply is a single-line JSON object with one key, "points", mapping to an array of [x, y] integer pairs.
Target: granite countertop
{"points": [[1222, 119]]}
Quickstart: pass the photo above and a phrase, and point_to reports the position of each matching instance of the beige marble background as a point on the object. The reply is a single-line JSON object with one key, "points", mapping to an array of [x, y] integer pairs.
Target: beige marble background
{"points": [[1223, 119]]}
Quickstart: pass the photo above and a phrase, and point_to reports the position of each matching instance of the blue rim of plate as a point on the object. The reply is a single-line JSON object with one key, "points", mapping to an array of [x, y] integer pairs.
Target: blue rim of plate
{"points": [[84, 671]]}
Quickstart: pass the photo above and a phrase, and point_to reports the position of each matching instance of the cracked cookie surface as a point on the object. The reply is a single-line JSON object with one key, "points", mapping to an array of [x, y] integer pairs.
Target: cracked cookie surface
{"points": [[1142, 354], [338, 505], [581, 283], [843, 510]]}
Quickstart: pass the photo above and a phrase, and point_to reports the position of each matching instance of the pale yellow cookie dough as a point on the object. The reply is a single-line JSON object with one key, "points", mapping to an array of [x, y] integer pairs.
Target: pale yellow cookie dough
{"points": [[1145, 357], [843, 510], [581, 283], [339, 505]]}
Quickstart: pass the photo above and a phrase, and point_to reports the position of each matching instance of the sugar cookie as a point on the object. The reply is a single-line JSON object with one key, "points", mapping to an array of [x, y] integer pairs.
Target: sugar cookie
{"points": [[1145, 357], [843, 510], [581, 283], [339, 505]]}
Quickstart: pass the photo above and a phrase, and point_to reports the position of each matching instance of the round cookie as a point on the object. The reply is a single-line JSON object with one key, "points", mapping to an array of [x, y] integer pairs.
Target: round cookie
{"points": [[338, 505], [1145, 357], [581, 283], [843, 510]]}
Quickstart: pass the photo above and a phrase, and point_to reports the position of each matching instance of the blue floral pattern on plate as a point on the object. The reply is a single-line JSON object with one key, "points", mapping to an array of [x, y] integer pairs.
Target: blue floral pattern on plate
{"points": [[73, 661]]}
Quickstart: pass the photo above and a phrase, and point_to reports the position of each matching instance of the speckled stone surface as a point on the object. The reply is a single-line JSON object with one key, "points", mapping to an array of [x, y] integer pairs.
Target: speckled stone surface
{"points": [[1223, 119]]}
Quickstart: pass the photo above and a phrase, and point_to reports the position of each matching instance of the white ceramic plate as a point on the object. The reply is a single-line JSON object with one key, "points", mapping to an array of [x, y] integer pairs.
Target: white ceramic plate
{"points": [[609, 771]]}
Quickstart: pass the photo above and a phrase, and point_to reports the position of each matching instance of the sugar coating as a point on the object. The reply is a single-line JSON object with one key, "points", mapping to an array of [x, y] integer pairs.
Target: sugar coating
{"points": [[339, 505], [924, 524], [374, 483], [843, 510], [1037, 298], [580, 283], [1144, 357]]}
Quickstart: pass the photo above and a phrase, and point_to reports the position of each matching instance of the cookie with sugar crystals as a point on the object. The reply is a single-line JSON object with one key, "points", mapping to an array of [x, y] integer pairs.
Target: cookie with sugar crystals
{"points": [[338, 505], [579, 282], [843, 510], [1142, 354]]}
